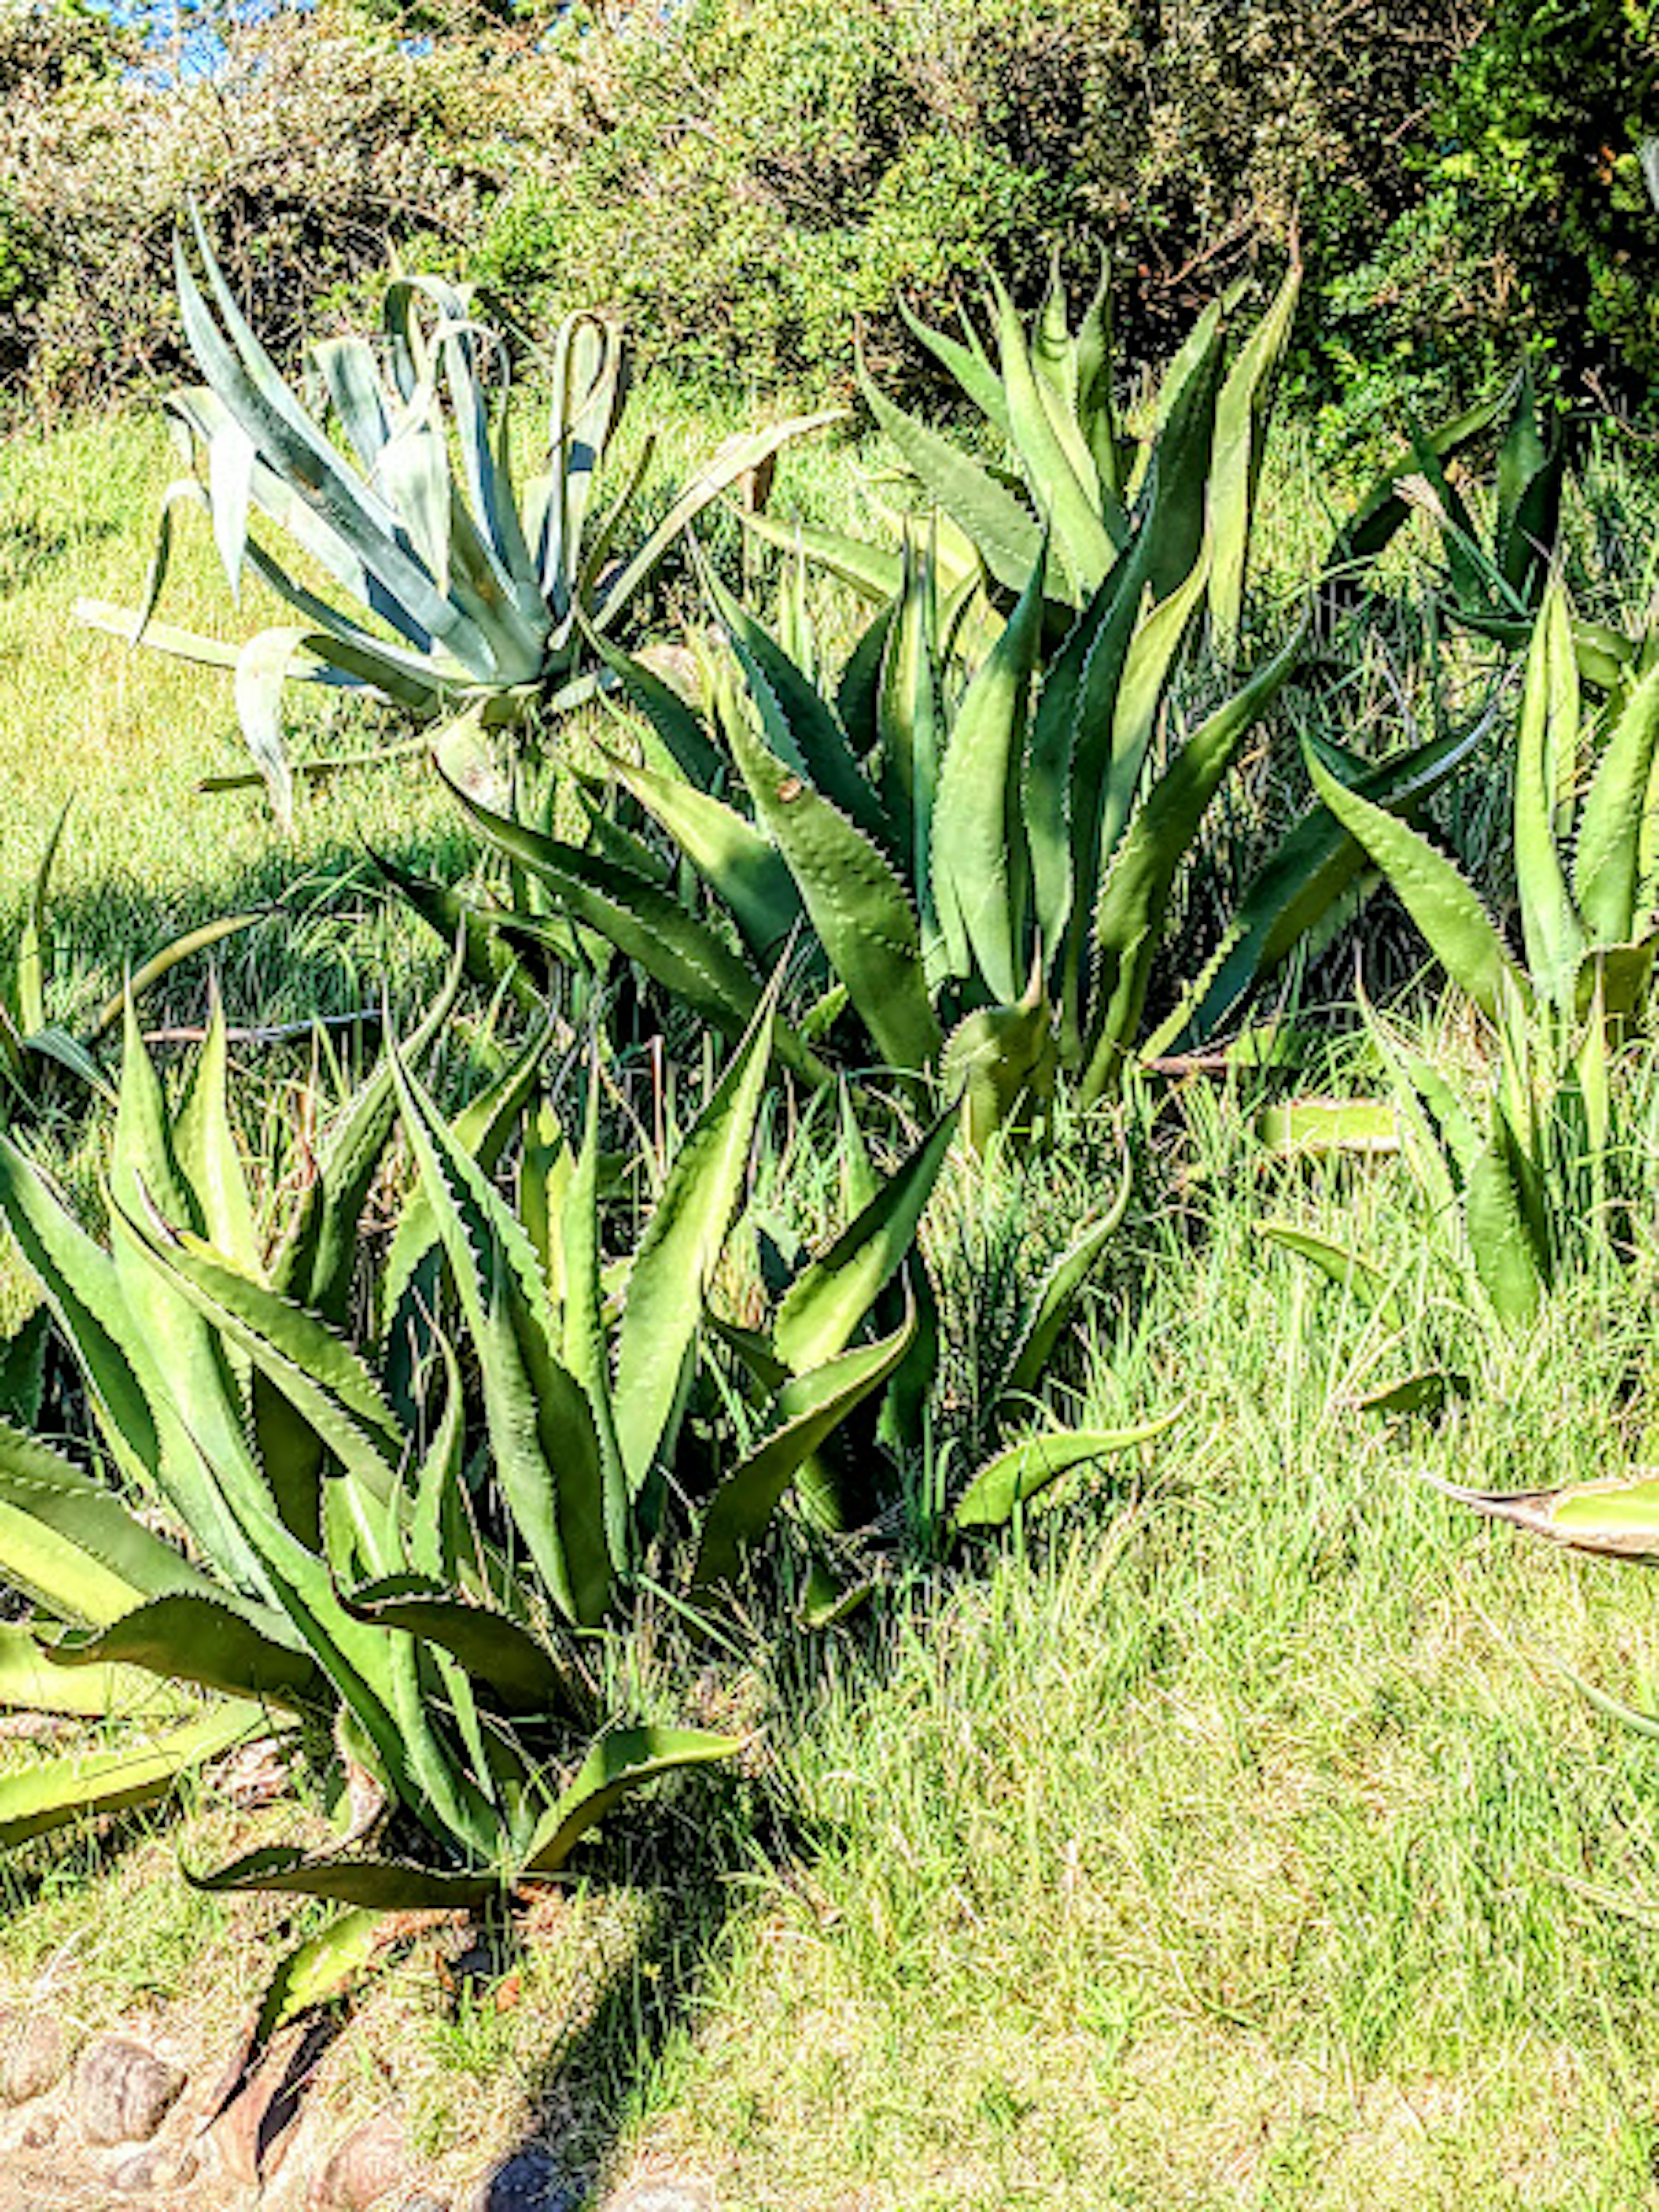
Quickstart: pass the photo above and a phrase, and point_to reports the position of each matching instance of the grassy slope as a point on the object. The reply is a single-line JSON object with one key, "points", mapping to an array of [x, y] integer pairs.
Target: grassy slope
{"points": [[1232, 1844]]}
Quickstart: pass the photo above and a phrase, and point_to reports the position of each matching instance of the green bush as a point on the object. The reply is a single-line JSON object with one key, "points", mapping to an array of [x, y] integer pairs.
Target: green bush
{"points": [[742, 180], [1531, 225]]}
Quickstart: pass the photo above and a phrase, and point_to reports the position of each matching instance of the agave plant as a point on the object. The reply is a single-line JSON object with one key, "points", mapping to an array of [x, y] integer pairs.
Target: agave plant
{"points": [[31, 1040], [1525, 1175], [1080, 479], [983, 871], [455, 592], [361, 1540]]}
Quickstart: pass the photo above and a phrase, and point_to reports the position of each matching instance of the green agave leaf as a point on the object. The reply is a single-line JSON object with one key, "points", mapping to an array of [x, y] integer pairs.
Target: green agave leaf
{"points": [[313, 1973], [1317, 1126], [681, 741], [540, 1423], [1545, 757], [500, 1653], [1352, 1274], [876, 573], [1021, 1472], [1315, 863], [736, 863], [1050, 469], [315, 1369], [162, 964], [1462, 935], [1381, 512], [827, 1302], [373, 1885], [800, 727], [617, 1765], [810, 1408], [1241, 413], [736, 458], [208, 1154], [22, 1369], [1606, 864], [1009, 538], [1152, 652], [217, 1642], [30, 1682], [32, 962], [668, 1284], [1057, 1300], [968, 364], [1128, 920], [1513, 1271], [57, 1792], [646, 924], [980, 862], [72, 1544], [857, 903], [996, 1058], [1425, 1392]]}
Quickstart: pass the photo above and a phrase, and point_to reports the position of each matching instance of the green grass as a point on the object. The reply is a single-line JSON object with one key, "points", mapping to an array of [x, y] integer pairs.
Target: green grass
{"points": [[1229, 1837]]}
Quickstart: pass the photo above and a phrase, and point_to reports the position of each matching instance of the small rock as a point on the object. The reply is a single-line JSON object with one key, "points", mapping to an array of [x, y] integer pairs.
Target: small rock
{"points": [[134, 2174], [123, 2093], [34, 2055], [40, 2131], [530, 2180], [364, 2167], [663, 2197], [422, 2201], [252, 2133]]}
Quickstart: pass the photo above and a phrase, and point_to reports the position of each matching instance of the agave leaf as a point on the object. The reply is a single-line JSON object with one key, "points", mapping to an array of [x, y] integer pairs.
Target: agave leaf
{"points": [[207, 1154], [1356, 1276], [1512, 1269], [72, 1544], [1129, 918], [1314, 865], [996, 1058], [1138, 695], [736, 458], [79, 1280], [32, 962], [162, 964], [1462, 935], [30, 1682], [500, 1653], [877, 574], [1545, 756], [585, 1348], [315, 1369], [53, 1793], [215, 1640], [1085, 544], [22, 1369], [980, 862], [800, 725], [1425, 1392], [810, 1408], [1241, 413], [1021, 1472], [372, 1885], [617, 1765], [1381, 512], [824, 1305], [857, 903], [541, 1425], [1606, 872], [682, 742], [668, 1284], [1057, 1300], [1320, 1125], [968, 364], [736, 863], [1009, 537]]}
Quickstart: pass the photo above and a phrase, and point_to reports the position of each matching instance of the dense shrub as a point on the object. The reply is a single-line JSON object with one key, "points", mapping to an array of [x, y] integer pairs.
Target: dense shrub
{"points": [[1530, 225], [747, 175], [320, 147]]}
